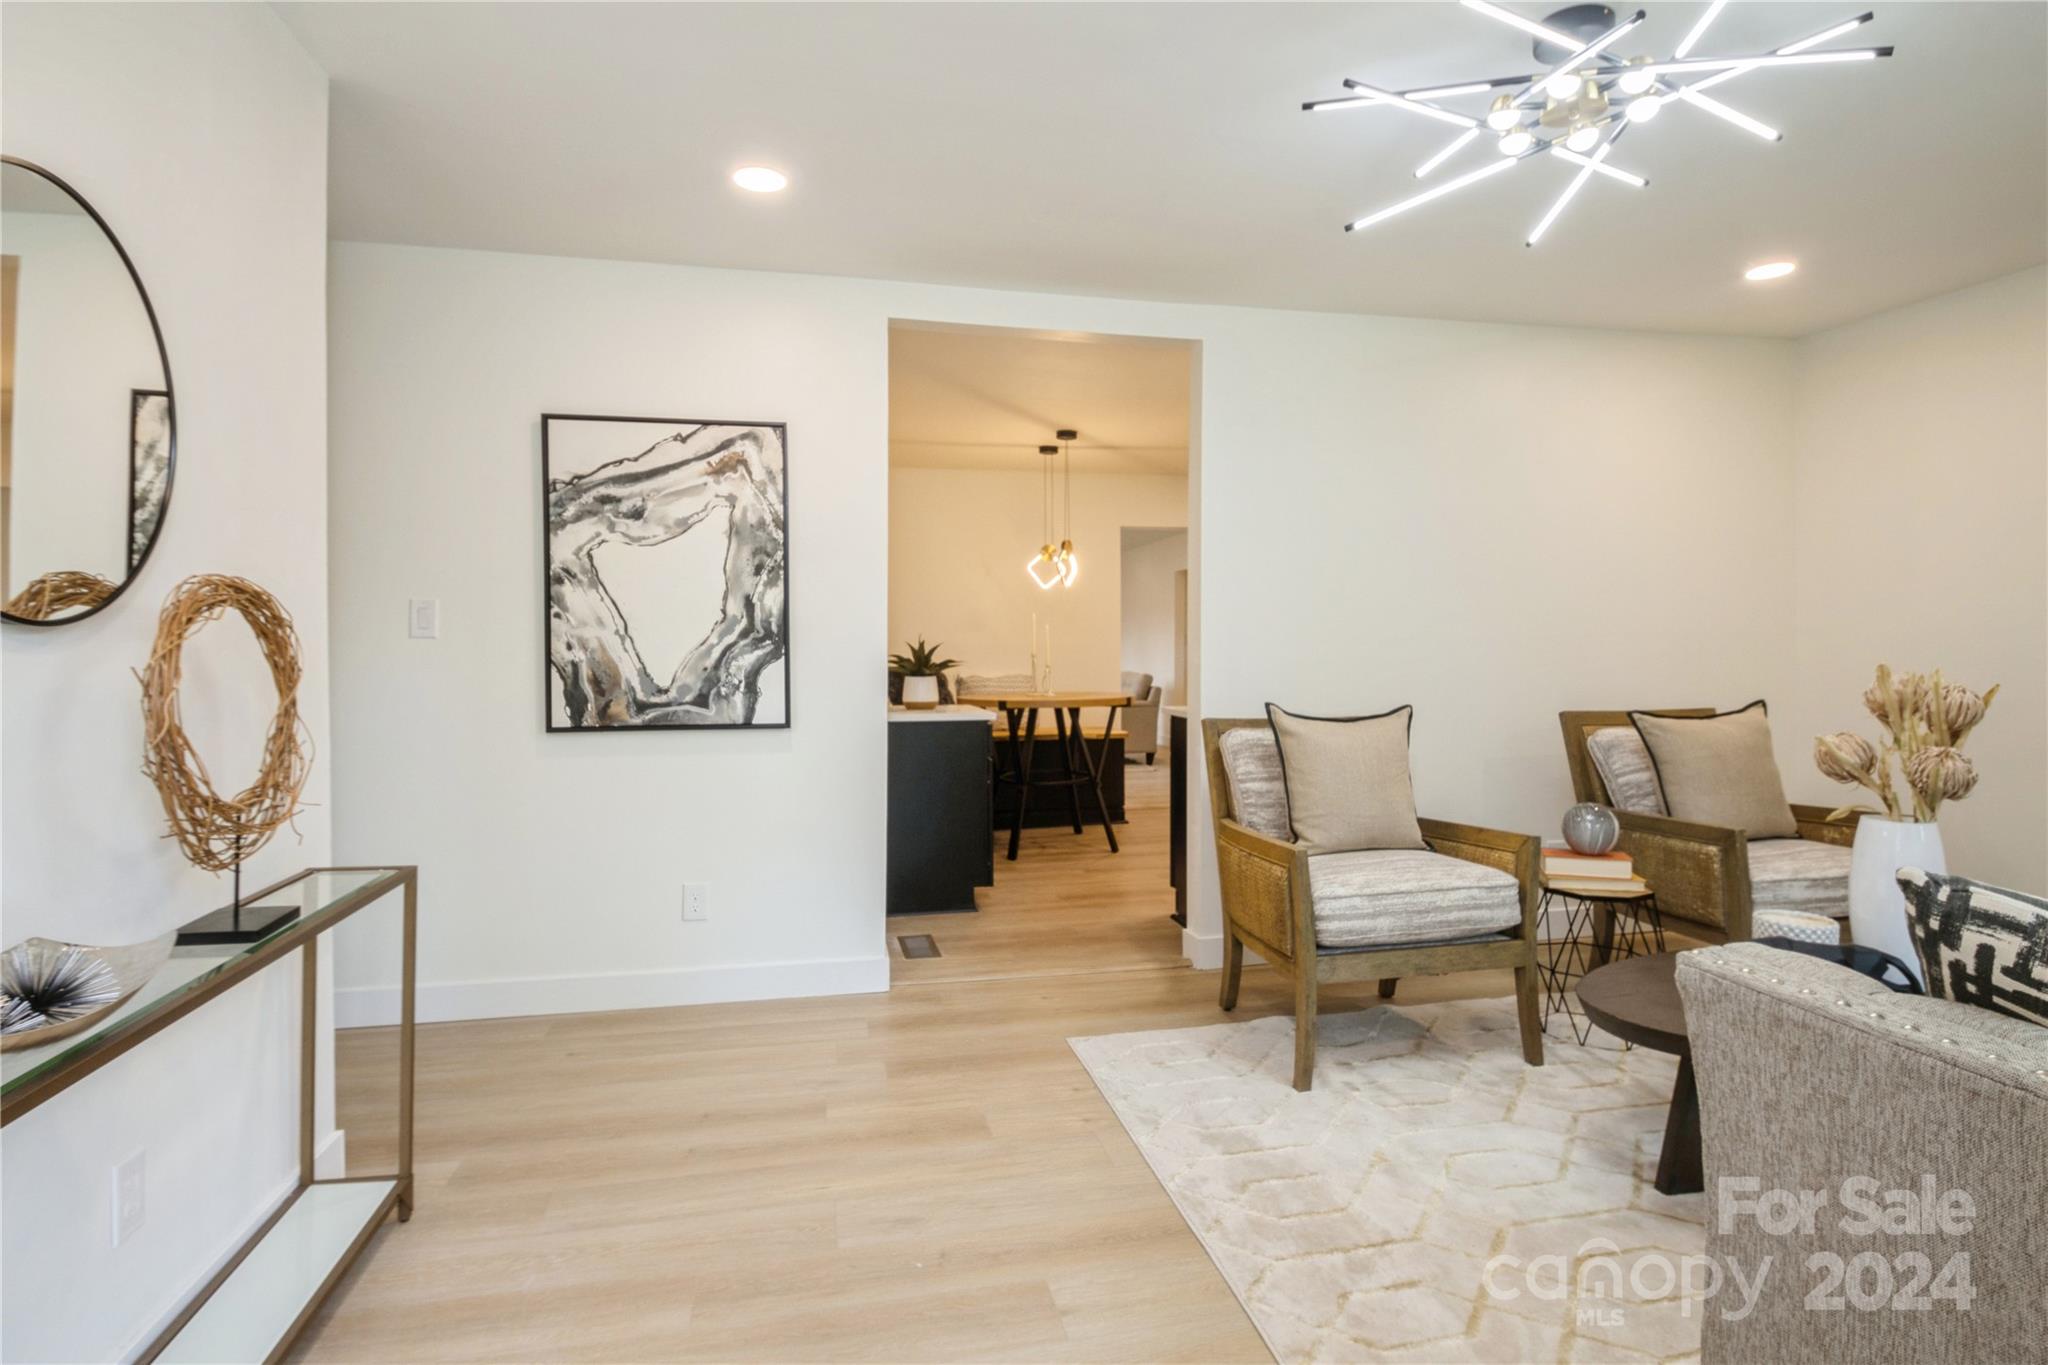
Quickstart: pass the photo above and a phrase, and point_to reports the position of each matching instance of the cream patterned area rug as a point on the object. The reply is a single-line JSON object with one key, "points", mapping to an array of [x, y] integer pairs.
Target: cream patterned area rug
{"points": [[1432, 1198]]}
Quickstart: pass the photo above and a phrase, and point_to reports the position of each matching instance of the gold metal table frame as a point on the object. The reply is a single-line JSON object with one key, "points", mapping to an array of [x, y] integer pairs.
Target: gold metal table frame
{"points": [[39, 1077]]}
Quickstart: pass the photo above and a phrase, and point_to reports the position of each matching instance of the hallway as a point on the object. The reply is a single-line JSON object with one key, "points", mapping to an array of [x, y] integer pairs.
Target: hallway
{"points": [[1067, 905]]}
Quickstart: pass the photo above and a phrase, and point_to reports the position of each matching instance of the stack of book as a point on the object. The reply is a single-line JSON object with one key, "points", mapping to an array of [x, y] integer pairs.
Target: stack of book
{"points": [[1591, 874]]}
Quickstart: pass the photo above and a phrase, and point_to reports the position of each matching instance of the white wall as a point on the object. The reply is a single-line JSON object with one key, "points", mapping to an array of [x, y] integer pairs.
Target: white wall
{"points": [[1385, 503], [217, 187], [958, 540], [1922, 499], [553, 864], [1150, 569]]}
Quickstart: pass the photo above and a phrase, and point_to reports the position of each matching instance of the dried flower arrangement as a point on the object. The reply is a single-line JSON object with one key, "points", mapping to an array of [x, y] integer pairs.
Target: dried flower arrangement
{"points": [[1924, 721]]}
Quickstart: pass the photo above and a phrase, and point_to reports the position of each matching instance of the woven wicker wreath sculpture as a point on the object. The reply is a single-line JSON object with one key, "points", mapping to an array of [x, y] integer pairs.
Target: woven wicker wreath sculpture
{"points": [[217, 832]]}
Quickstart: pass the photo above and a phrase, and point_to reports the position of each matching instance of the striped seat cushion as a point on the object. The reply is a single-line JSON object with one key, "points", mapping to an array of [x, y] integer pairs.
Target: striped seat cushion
{"points": [[1407, 895], [1799, 874], [995, 684]]}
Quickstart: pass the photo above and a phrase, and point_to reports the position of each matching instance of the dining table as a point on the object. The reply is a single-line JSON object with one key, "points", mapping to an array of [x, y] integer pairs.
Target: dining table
{"points": [[1081, 769]]}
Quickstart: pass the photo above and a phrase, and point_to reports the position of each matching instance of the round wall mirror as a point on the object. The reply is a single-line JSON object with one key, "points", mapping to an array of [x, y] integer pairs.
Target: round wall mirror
{"points": [[87, 438]]}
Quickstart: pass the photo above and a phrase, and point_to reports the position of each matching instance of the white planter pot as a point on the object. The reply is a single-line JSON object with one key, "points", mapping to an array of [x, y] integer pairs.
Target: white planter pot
{"points": [[1877, 908], [920, 694]]}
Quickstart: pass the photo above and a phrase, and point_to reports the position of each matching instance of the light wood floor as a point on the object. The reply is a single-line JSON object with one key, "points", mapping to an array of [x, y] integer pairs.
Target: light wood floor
{"points": [[927, 1175], [1066, 905]]}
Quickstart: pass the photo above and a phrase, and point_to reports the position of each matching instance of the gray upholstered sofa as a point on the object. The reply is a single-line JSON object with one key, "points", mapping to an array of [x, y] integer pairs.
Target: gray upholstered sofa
{"points": [[1141, 717], [1811, 1075]]}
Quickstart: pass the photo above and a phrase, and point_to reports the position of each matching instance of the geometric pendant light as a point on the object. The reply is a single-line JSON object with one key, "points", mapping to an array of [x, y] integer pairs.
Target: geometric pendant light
{"points": [[1056, 564]]}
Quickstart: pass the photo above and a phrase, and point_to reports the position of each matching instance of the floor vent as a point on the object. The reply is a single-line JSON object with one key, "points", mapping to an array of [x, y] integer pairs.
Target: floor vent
{"points": [[918, 945]]}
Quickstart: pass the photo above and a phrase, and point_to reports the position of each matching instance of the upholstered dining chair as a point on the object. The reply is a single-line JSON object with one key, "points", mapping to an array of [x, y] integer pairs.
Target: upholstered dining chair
{"points": [[1141, 717], [1710, 879], [1465, 903]]}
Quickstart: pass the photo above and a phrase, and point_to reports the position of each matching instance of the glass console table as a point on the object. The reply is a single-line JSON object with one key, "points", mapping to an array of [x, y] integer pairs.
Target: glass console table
{"points": [[267, 1291]]}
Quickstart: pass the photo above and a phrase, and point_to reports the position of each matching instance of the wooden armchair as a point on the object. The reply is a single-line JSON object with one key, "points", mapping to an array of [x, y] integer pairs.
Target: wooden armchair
{"points": [[1267, 903], [1701, 873]]}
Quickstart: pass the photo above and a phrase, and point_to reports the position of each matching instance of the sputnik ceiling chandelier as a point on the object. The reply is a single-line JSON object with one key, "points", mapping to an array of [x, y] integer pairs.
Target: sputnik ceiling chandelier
{"points": [[1586, 96], [1056, 564]]}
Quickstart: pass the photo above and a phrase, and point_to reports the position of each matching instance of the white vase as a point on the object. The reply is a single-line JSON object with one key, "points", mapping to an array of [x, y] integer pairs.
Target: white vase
{"points": [[920, 694], [1877, 908]]}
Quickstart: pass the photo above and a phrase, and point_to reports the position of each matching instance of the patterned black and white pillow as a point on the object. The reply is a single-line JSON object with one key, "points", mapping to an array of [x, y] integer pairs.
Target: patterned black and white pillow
{"points": [[1979, 945]]}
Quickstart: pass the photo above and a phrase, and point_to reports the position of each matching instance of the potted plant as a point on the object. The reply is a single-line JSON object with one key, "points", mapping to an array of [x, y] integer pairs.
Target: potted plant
{"points": [[920, 668], [1924, 722]]}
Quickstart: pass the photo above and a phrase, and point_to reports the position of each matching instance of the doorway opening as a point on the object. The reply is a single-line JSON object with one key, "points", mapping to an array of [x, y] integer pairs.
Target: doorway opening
{"points": [[1039, 518]]}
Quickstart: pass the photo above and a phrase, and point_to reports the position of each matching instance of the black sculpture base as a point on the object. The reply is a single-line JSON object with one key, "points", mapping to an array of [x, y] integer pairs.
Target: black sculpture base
{"points": [[231, 924]]}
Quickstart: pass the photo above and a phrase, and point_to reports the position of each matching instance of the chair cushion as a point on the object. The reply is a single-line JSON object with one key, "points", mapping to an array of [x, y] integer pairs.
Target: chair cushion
{"points": [[1797, 925], [1348, 786], [985, 685], [1258, 789], [1407, 895], [1799, 874], [1136, 684], [1978, 944], [1623, 761], [1719, 770]]}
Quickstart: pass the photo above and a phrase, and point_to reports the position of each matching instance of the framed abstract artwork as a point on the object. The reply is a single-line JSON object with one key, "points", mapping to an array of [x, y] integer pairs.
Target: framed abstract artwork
{"points": [[149, 468], [665, 554]]}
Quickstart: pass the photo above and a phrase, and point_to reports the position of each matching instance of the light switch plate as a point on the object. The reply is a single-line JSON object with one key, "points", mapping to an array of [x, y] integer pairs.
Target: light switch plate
{"points": [[425, 618]]}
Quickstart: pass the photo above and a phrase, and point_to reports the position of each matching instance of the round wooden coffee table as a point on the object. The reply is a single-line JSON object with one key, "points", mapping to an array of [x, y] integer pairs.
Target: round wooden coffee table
{"points": [[1637, 1001]]}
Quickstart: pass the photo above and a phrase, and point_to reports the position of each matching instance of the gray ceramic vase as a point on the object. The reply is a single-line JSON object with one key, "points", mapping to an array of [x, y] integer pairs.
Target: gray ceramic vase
{"points": [[1591, 829]]}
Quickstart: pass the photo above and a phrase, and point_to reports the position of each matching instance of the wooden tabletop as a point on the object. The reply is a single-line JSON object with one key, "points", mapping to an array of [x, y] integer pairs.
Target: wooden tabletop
{"points": [[1031, 701], [1636, 999]]}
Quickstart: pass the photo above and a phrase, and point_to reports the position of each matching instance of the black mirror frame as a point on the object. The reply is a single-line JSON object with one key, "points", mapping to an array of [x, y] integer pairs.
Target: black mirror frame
{"points": [[134, 570]]}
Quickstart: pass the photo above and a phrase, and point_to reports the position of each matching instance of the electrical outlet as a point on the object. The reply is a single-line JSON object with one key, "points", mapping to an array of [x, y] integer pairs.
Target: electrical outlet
{"points": [[424, 618], [129, 1186], [696, 901]]}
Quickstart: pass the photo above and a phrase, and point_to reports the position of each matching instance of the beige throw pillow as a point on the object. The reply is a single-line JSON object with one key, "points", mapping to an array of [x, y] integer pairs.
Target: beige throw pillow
{"points": [[1347, 780], [1719, 770]]}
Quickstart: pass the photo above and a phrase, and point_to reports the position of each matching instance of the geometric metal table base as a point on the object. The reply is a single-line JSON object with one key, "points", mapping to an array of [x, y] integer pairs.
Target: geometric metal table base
{"points": [[1590, 940]]}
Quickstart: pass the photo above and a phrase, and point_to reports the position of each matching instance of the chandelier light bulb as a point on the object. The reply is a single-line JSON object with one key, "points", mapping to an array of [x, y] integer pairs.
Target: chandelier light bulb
{"points": [[1562, 85], [1044, 568], [1646, 108], [1635, 81], [1583, 138], [1503, 115], [1517, 141]]}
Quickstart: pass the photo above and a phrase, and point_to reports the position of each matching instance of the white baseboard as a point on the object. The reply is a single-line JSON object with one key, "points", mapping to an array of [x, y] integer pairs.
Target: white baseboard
{"points": [[441, 1001], [1204, 952]]}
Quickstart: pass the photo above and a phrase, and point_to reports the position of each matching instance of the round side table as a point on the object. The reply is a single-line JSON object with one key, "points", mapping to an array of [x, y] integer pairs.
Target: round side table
{"points": [[1590, 940], [1638, 1001]]}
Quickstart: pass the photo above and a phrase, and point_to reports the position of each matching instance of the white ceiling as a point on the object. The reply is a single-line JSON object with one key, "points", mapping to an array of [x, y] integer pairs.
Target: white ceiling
{"points": [[985, 398], [1158, 151]]}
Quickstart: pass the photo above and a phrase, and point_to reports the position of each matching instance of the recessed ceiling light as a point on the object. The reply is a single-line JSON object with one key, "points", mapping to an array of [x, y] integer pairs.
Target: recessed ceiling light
{"points": [[1770, 270], [760, 179]]}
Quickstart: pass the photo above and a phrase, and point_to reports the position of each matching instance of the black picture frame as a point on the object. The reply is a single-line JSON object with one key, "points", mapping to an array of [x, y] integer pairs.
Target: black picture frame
{"points": [[548, 668]]}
